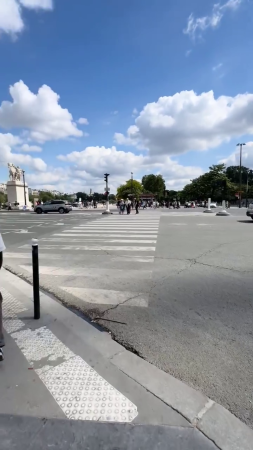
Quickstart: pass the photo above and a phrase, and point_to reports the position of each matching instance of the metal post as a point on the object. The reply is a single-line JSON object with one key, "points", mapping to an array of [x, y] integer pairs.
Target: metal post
{"points": [[132, 184], [240, 175], [240, 182], [247, 189], [24, 186], [36, 280], [107, 211]]}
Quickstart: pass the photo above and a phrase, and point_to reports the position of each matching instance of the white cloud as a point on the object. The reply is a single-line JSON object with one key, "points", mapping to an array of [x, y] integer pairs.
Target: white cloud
{"points": [[39, 113], [187, 53], [11, 21], [10, 17], [215, 68], [7, 143], [234, 158], [37, 4], [187, 121], [30, 148], [195, 26], [87, 168], [83, 121], [114, 113]]}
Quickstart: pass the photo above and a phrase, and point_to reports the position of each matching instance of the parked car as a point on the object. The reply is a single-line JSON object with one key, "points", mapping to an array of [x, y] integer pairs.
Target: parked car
{"points": [[249, 211], [60, 206], [213, 205]]}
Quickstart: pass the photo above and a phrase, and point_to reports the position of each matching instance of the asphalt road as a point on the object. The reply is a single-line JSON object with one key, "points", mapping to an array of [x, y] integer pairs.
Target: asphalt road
{"points": [[174, 286]]}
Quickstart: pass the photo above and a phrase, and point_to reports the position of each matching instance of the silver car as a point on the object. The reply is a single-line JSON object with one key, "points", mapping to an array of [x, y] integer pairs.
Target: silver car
{"points": [[60, 206]]}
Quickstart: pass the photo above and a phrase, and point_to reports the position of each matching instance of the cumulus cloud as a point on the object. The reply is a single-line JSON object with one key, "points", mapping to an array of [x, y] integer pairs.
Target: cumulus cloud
{"points": [[39, 113], [83, 121], [11, 21], [187, 121], [88, 167], [30, 148], [195, 26], [7, 143]]}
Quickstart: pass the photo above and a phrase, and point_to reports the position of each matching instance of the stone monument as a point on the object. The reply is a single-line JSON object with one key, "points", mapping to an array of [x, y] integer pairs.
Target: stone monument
{"points": [[17, 189]]}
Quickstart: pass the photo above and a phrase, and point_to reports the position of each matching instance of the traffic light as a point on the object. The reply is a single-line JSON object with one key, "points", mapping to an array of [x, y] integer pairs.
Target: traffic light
{"points": [[106, 177]]}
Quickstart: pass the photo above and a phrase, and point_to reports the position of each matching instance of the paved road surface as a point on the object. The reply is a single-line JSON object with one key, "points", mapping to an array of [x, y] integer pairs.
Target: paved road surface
{"points": [[176, 287]]}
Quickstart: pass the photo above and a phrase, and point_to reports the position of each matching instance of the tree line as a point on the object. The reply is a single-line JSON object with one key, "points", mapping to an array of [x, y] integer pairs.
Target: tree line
{"points": [[220, 183]]}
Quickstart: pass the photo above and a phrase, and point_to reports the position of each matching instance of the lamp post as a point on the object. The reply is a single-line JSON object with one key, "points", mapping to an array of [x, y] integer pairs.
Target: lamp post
{"points": [[247, 188], [24, 186], [132, 183], [240, 175]]}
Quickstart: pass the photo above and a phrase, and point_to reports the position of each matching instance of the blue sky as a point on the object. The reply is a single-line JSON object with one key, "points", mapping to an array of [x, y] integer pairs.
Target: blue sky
{"points": [[107, 58]]}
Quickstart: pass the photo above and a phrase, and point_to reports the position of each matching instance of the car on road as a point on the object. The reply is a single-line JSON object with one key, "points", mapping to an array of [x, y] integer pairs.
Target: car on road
{"points": [[249, 211], [60, 206], [213, 205]]}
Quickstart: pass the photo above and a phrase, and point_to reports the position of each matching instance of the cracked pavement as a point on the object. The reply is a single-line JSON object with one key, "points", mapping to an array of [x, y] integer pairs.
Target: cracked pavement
{"points": [[198, 326]]}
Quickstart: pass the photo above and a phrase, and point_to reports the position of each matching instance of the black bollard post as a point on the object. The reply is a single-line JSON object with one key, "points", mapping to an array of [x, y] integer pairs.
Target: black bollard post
{"points": [[36, 280]]}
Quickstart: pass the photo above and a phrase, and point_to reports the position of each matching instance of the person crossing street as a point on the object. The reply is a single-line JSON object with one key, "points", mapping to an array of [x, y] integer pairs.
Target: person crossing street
{"points": [[2, 248]]}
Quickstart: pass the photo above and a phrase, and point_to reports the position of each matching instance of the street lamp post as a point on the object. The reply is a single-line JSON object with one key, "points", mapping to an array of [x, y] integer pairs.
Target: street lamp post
{"points": [[24, 186], [240, 174], [132, 183]]}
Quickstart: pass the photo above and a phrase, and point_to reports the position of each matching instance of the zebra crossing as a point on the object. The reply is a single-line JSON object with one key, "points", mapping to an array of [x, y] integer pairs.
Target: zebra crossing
{"points": [[106, 261]]}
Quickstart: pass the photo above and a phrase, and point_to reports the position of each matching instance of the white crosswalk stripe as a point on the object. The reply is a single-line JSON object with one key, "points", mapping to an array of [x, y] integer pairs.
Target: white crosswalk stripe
{"points": [[105, 261]]}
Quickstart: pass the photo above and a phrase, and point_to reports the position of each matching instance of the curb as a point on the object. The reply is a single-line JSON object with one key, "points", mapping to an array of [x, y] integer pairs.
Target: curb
{"points": [[213, 420]]}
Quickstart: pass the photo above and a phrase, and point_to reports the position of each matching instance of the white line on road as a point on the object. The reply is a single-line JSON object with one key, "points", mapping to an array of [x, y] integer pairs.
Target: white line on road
{"points": [[89, 272], [77, 234], [102, 232], [92, 239], [94, 248]]}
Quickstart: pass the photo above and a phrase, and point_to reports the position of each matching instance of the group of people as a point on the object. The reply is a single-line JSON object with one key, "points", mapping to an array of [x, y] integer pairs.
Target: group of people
{"points": [[128, 205]]}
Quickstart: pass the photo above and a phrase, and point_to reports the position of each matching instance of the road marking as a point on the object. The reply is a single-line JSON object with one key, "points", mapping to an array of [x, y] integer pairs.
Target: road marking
{"points": [[108, 297], [102, 232], [29, 255], [88, 272], [81, 393], [95, 248], [93, 239], [77, 233]]}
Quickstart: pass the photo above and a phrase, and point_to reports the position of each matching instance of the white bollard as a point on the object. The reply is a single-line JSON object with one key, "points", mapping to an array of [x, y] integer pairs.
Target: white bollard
{"points": [[208, 210], [223, 212]]}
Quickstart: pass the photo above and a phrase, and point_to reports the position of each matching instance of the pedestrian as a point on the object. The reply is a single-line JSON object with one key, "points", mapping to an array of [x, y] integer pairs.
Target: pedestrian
{"points": [[128, 205], [137, 207], [122, 206], [2, 248]]}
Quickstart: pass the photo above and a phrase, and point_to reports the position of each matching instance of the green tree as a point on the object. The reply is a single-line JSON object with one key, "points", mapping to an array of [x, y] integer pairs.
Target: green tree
{"points": [[214, 184], [233, 174], [130, 187], [154, 184], [3, 198]]}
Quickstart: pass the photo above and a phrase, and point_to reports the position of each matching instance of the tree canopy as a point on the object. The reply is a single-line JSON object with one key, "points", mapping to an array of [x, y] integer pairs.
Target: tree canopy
{"points": [[130, 187], [155, 184], [214, 184]]}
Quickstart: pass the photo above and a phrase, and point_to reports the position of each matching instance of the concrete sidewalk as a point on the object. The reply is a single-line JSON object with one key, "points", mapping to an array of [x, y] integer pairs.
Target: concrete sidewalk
{"points": [[61, 367]]}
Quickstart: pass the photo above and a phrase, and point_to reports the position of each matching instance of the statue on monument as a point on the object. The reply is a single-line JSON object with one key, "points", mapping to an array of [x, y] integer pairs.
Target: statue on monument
{"points": [[15, 173]]}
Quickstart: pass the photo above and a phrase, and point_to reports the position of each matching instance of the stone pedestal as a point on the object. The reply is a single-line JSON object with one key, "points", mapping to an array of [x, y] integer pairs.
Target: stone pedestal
{"points": [[16, 192]]}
